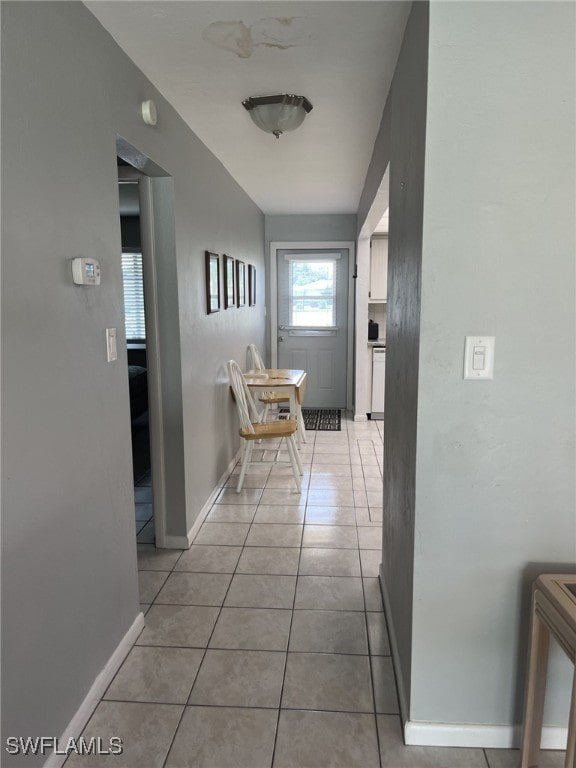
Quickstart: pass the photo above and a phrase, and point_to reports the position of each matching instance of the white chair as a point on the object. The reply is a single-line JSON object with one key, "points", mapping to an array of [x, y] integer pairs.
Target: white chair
{"points": [[268, 399], [255, 360], [251, 428]]}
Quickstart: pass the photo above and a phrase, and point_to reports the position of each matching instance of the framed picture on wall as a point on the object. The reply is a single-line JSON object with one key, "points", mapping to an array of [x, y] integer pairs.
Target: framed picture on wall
{"points": [[240, 283], [229, 283], [212, 282], [251, 285]]}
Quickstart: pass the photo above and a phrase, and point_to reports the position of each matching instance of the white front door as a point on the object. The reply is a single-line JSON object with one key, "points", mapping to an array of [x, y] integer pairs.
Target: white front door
{"points": [[313, 320]]}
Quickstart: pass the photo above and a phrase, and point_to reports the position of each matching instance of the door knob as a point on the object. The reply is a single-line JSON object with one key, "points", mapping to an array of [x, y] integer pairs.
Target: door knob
{"points": [[280, 338]]}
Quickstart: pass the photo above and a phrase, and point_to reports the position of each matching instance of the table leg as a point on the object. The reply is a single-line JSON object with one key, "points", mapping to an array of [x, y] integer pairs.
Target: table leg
{"points": [[301, 426], [299, 400], [294, 414], [535, 691]]}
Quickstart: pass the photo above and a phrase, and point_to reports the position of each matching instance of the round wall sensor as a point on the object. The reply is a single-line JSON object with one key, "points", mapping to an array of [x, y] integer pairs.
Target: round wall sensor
{"points": [[149, 113]]}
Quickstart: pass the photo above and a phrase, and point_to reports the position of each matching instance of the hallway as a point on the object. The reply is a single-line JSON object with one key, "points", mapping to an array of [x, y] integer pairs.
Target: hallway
{"points": [[265, 643]]}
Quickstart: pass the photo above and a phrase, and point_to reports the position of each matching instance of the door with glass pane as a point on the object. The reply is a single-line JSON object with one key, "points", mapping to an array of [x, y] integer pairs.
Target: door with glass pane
{"points": [[313, 320]]}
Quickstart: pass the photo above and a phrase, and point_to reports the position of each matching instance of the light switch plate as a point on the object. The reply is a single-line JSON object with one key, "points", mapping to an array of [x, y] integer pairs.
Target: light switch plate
{"points": [[111, 348], [479, 357]]}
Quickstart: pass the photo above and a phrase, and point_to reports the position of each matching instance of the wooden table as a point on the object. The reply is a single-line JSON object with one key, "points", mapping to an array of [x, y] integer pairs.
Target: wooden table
{"points": [[290, 382], [553, 613]]}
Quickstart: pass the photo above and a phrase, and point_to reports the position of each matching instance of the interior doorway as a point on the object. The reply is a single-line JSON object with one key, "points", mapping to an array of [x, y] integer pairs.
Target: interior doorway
{"points": [[137, 355], [144, 208], [372, 305]]}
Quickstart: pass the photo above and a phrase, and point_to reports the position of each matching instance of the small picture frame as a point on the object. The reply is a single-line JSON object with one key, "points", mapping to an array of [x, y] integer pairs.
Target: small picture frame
{"points": [[240, 283], [212, 282], [251, 285], [229, 283]]}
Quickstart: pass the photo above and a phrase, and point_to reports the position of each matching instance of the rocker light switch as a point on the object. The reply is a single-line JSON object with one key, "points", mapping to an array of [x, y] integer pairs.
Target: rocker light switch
{"points": [[479, 357]]}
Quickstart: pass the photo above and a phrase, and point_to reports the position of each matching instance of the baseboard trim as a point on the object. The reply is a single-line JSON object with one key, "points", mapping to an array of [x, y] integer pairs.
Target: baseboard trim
{"points": [[184, 542], [176, 542], [402, 700], [476, 735], [102, 681], [427, 734], [360, 417]]}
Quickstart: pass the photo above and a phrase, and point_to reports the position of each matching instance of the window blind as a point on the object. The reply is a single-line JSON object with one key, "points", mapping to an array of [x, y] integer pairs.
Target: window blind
{"points": [[133, 279]]}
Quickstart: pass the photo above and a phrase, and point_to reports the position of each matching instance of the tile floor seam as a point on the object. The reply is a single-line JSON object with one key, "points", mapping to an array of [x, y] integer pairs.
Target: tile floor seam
{"points": [[333, 653], [239, 607], [232, 706], [336, 711], [288, 642], [199, 665], [174, 735], [134, 645], [373, 687], [368, 656]]}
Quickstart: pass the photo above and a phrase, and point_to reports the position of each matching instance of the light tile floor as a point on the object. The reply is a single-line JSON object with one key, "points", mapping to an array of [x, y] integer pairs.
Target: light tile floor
{"points": [[144, 510], [265, 643]]}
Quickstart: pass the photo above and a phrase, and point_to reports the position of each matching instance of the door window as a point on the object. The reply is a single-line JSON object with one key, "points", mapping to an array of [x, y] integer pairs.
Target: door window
{"points": [[312, 293]]}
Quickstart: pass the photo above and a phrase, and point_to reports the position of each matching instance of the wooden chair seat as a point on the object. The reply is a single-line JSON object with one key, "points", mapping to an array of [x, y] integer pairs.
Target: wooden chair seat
{"points": [[270, 429]]}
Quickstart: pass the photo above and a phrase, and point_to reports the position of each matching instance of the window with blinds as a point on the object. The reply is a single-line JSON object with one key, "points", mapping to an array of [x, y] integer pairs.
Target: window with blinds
{"points": [[133, 279]]}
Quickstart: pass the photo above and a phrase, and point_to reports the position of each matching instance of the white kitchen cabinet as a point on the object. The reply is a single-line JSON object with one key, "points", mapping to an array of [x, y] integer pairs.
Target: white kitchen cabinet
{"points": [[378, 270]]}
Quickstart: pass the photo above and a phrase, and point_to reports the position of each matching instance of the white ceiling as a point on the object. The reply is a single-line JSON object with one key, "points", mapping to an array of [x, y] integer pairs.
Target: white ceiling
{"points": [[206, 57]]}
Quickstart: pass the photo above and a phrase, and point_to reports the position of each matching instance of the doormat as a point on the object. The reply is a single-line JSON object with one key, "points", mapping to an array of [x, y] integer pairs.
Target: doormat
{"points": [[317, 419], [322, 419]]}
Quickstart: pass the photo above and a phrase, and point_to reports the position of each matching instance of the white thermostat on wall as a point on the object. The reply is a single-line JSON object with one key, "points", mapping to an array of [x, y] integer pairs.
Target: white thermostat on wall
{"points": [[86, 271]]}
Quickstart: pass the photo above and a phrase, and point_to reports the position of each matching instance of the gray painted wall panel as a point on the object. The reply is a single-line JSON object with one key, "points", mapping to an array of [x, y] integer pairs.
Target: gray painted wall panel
{"points": [[407, 105], [489, 501], [300, 227], [69, 583], [495, 464]]}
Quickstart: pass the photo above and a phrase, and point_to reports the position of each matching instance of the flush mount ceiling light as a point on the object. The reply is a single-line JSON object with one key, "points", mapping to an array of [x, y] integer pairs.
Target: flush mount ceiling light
{"points": [[278, 114]]}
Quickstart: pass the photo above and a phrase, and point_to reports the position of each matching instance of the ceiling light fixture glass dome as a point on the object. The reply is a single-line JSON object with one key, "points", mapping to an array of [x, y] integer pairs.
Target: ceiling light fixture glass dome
{"points": [[278, 114]]}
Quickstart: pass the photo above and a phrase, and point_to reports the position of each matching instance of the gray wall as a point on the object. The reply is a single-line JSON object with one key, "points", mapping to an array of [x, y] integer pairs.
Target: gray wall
{"points": [[495, 461], [69, 586], [313, 227], [407, 109], [479, 476]]}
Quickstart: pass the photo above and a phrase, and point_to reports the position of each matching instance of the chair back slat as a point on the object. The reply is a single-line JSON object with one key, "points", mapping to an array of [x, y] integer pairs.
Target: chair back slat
{"points": [[244, 401], [256, 361]]}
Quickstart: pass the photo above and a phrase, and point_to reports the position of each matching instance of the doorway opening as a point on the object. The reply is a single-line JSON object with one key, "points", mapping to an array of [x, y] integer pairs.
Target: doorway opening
{"points": [[153, 330], [371, 308], [136, 353]]}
